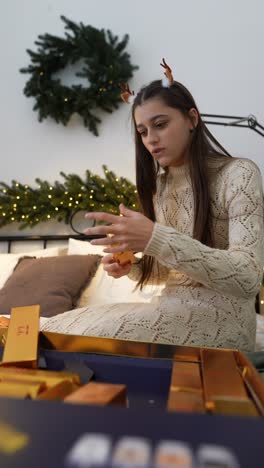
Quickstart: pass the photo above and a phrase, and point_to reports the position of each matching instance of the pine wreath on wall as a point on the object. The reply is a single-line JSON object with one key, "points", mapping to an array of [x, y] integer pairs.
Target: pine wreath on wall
{"points": [[105, 65]]}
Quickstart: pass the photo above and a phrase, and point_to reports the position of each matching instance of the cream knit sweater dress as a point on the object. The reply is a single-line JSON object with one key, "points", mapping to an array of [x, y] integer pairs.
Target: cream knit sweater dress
{"points": [[209, 293]]}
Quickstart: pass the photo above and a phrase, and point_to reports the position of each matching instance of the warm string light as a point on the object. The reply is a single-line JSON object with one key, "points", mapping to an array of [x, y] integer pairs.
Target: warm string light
{"points": [[18, 200]]}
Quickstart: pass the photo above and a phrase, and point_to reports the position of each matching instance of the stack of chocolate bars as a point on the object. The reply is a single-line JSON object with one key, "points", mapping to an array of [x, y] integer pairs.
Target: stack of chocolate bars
{"points": [[20, 378], [216, 381]]}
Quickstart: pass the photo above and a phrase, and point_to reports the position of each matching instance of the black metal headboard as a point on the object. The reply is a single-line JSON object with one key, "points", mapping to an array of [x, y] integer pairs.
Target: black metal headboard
{"points": [[43, 238]]}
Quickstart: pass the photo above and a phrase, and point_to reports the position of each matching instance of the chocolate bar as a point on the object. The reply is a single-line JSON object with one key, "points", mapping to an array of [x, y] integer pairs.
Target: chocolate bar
{"points": [[98, 393], [224, 389], [50, 378], [185, 392], [220, 375], [20, 389], [58, 391], [21, 345]]}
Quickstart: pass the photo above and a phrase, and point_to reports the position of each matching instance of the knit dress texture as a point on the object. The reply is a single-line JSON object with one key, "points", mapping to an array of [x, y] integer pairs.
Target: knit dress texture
{"points": [[209, 293]]}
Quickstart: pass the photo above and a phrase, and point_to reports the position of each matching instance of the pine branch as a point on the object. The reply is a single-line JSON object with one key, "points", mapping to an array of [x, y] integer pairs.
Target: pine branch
{"points": [[30, 205]]}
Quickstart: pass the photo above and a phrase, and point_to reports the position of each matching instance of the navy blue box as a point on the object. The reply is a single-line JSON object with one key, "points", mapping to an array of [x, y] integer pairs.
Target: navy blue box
{"points": [[54, 427]]}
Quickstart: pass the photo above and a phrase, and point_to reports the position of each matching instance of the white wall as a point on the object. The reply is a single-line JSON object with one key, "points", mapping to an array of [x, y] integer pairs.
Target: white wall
{"points": [[214, 47]]}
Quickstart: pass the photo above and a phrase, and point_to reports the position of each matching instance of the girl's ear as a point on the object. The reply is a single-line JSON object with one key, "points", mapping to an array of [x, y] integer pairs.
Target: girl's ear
{"points": [[194, 117]]}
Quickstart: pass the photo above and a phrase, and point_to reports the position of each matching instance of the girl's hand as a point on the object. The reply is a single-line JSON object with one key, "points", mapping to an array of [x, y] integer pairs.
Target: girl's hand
{"points": [[115, 269], [131, 231]]}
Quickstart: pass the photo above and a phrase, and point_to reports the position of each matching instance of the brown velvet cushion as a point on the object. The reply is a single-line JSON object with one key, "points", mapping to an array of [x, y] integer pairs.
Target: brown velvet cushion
{"points": [[55, 283]]}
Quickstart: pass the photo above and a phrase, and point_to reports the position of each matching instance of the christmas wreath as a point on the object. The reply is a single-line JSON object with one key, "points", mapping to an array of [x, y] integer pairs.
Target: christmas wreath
{"points": [[105, 64]]}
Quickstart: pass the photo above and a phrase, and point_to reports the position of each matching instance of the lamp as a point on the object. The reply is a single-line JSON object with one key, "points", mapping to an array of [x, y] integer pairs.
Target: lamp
{"points": [[247, 122]]}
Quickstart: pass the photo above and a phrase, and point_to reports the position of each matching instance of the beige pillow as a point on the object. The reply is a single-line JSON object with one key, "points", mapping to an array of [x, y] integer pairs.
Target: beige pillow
{"points": [[55, 283]]}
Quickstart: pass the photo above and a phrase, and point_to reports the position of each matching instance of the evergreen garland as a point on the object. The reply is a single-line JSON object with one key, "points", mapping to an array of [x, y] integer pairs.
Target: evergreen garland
{"points": [[28, 206], [105, 65]]}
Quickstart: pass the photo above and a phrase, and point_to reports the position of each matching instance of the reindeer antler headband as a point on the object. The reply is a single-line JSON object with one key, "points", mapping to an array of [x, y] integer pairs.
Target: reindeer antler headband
{"points": [[128, 96], [168, 81]]}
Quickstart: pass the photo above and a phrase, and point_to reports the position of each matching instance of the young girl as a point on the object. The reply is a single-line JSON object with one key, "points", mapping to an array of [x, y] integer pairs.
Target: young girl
{"points": [[200, 231]]}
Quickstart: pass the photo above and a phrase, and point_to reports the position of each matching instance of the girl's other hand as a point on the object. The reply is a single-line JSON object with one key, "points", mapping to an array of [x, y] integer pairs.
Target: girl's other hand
{"points": [[131, 231], [113, 268]]}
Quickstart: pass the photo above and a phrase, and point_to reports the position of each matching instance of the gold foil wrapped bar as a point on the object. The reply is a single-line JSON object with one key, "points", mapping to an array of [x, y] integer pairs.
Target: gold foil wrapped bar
{"points": [[58, 391], [224, 389], [16, 388], [185, 392], [21, 345], [220, 375], [97, 393], [50, 378], [252, 380], [234, 407]]}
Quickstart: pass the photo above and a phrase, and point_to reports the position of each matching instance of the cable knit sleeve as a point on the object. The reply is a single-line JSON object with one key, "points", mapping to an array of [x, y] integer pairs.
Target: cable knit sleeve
{"points": [[239, 269]]}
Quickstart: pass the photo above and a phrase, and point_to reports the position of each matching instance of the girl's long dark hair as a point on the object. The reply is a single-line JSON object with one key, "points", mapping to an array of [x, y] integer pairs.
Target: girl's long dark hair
{"points": [[203, 147]]}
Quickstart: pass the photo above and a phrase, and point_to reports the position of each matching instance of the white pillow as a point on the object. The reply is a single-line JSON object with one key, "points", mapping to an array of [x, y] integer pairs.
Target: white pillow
{"points": [[78, 247], [105, 289], [8, 261]]}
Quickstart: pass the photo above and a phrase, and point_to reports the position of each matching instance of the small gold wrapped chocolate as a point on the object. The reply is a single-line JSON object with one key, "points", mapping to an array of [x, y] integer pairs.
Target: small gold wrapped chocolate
{"points": [[124, 257], [4, 322]]}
